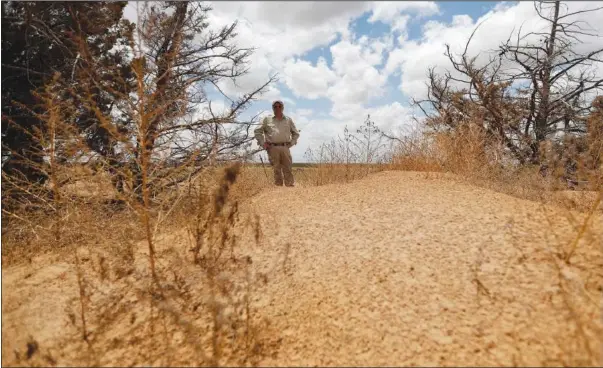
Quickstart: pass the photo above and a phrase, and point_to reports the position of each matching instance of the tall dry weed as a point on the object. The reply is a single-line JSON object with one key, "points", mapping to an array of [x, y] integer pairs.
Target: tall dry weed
{"points": [[347, 158], [124, 312], [202, 279]]}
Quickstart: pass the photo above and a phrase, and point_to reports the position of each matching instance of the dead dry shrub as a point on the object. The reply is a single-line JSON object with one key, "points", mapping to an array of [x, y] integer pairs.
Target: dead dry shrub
{"points": [[465, 151], [347, 158], [198, 310], [471, 156], [48, 216], [141, 298], [145, 315], [416, 152], [576, 161]]}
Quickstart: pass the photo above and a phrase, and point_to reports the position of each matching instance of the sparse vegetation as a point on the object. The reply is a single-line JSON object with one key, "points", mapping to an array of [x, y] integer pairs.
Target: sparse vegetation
{"points": [[137, 231]]}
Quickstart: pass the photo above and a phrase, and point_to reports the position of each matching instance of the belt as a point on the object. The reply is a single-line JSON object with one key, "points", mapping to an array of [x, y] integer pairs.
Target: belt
{"points": [[279, 144]]}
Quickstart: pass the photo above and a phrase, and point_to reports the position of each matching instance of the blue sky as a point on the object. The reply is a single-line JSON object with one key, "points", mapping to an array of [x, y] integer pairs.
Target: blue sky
{"points": [[361, 26], [339, 61]]}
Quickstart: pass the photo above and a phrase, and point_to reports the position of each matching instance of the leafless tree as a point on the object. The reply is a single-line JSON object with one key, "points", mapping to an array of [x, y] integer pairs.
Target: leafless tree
{"points": [[559, 77], [176, 56], [521, 95], [485, 99]]}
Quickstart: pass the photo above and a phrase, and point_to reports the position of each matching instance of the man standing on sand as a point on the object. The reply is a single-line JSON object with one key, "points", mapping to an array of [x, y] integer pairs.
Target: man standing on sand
{"points": [[277, 134]]}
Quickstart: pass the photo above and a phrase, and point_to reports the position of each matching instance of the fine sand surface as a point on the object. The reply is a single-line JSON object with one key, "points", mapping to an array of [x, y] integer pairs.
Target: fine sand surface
{"points": [[400, 269]]}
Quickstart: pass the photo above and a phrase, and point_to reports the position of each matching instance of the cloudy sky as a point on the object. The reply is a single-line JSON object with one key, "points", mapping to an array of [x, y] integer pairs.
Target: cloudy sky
{"points": [[339, 61]]}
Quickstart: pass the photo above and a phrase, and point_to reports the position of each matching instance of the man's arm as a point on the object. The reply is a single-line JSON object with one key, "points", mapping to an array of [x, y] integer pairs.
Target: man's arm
{"points": [[294, 133], [259, 133]]}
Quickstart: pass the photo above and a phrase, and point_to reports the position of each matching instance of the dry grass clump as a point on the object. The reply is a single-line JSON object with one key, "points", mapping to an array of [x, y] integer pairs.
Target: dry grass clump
{"points": [[195, 310], [129, 291], [416, 152], [464, 151], [467, 153], [573, 252], [348, 158]]}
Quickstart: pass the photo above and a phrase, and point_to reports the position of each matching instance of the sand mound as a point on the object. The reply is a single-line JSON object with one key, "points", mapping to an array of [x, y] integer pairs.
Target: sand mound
{"points": [[395, 269]]}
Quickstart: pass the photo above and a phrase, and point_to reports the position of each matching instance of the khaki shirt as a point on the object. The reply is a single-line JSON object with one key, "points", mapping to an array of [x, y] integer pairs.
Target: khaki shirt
{"points": [[273, 130]]}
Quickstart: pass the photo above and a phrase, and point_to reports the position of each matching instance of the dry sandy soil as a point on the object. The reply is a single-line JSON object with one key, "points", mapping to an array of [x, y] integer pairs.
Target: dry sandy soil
{"points": [[394, 269]]}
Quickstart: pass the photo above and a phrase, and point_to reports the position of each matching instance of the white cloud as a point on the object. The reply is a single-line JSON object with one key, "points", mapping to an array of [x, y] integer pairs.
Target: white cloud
{"points": [[351, 58], [389, 11], [303, 26], [354, 77], [400, 25], [359, 81], [281, 31], [294, 15], [306, 80], [218, 107], [304, 112], [386, 117]]}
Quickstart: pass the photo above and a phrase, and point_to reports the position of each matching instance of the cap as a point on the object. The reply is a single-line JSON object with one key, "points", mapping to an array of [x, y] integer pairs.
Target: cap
{"points": [[278, 101]]}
